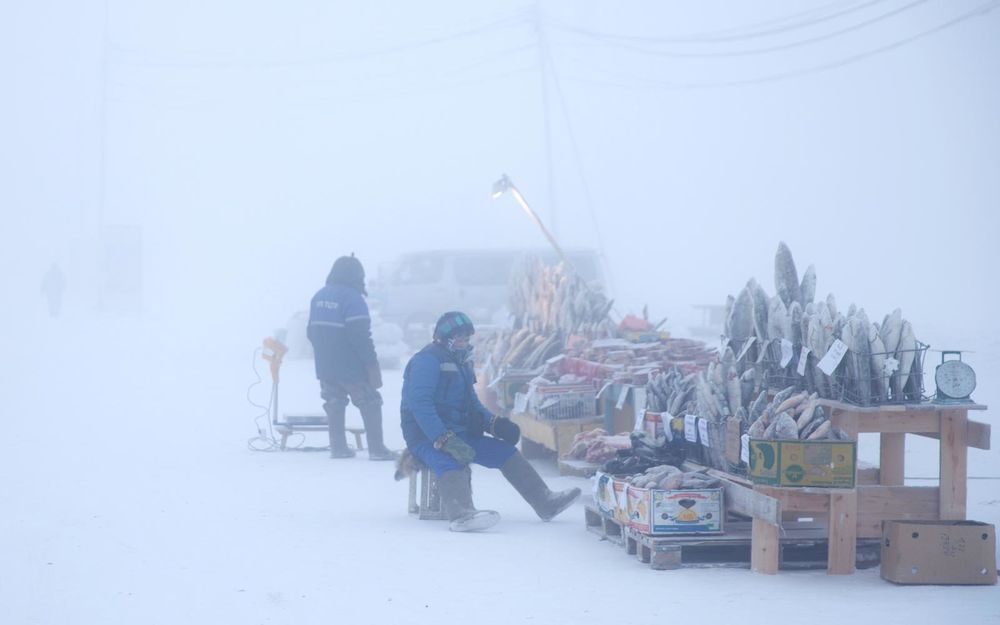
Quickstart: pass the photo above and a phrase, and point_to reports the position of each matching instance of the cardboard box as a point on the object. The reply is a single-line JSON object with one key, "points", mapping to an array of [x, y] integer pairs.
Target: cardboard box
{"points": [[604, 494], [658, 512], [620, 488], [822, 464], [939, 552]]}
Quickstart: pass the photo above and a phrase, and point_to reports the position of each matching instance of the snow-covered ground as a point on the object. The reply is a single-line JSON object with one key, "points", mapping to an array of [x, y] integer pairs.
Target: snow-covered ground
{"points": [[130, 497]]}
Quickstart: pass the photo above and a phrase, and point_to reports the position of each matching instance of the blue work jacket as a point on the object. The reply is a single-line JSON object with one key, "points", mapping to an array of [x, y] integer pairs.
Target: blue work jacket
{"points": [[439, 395]]}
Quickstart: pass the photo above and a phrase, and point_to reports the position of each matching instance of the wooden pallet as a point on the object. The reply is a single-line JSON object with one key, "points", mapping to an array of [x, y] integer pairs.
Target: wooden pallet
{"points": [[802, 546], [577, 468]]}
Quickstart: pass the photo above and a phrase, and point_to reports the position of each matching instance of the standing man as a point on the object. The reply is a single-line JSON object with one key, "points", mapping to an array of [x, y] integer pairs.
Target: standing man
{"points": [[445, 425], [346, 365]]}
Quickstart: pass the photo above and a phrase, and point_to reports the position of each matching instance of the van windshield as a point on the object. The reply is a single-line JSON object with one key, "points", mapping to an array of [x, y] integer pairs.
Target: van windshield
{"points": [[419, 270], [484, 271]]}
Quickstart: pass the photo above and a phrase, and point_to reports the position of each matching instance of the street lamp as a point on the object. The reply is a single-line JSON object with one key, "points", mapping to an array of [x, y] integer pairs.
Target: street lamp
{"points": [[503, 185]]}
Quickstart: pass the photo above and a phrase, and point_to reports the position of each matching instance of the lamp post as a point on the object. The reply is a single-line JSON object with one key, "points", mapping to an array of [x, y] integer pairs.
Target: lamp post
{"points": [[503, 185]]}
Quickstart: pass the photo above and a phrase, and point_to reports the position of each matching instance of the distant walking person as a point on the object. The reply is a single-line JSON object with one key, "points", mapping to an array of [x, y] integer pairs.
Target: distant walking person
{"points": [[346, 364], [53, 286]]}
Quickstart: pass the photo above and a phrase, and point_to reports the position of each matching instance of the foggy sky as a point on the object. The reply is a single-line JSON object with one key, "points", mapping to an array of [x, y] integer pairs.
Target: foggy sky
{"points": [[253, 142]]}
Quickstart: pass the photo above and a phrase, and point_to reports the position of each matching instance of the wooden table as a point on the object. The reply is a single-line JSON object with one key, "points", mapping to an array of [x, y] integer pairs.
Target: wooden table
{"points": [[552, 434], [859, 512]]}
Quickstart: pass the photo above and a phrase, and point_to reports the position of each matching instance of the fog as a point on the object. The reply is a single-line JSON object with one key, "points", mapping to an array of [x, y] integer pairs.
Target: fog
{"points": [[231, 150], [252, 143]]}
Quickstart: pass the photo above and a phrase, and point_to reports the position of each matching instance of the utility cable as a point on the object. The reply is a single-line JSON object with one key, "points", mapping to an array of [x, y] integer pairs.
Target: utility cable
{"points": [[584, 185], [721, 36], [767, 50], [979, 11]]}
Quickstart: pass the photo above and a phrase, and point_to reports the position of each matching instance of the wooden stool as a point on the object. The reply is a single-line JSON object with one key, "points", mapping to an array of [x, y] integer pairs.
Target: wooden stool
{"points": [[428, 507]]}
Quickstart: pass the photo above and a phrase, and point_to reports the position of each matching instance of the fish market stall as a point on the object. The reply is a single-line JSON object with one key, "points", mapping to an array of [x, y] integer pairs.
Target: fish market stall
{"points": [[774, 419]]}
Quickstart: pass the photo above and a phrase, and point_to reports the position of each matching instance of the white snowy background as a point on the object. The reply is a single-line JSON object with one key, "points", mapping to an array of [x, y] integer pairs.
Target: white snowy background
{"points": [[253, 142]]}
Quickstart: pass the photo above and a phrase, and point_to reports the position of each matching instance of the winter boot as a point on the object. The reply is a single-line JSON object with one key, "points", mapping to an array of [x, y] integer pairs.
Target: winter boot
{"points": [[456, 499], [372, 416], [530, 485], [336, 416]]}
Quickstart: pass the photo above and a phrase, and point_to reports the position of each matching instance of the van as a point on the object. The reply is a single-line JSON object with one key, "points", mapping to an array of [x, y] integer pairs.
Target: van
{"points": [[419, 286]]}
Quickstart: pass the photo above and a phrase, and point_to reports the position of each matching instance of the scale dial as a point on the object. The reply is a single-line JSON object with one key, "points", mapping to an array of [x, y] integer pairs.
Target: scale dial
{"points": [[955, 379]]}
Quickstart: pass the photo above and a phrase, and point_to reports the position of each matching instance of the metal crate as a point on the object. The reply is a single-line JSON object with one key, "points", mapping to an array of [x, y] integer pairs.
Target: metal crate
{"points": [[564, 401]]}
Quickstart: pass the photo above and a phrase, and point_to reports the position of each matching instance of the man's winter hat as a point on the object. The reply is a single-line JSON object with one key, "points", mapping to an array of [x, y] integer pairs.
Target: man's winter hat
{"points": [[348, 270], [452, 324]]}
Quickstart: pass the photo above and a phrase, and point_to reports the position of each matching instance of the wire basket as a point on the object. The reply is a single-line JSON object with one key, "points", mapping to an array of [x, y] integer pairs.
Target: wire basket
{"points": [[855, 381], [714, 453], [563, 401]]}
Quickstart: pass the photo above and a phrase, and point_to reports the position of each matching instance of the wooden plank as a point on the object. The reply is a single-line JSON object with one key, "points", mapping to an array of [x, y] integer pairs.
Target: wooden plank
{"points": [[577, 468], [798, 499], [892, 448], [554, 434], [764, 548], [843, 532], [954, 468], [977, 435], [743, 498], [868, 474], [921, 407], [846, 420], [898, 422], [888, 503]]}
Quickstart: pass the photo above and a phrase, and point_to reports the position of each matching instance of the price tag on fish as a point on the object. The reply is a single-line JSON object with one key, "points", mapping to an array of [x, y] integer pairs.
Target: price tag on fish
{"points": [[703, 432], [786, 352], [521, 402], [891, 366], [668, 430], [622, 397], [828, 363], [745, 448], [746, 346], [691, 428], [639, 403], [801, 369]]}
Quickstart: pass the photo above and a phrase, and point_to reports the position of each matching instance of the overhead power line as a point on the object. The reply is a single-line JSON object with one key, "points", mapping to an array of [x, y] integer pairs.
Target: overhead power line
{"points": [[764, 29], [642, 82], [765, 50]]}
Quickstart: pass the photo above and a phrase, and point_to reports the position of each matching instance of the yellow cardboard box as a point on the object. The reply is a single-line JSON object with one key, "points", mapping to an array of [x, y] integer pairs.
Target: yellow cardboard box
{"points": [[820, 464]]}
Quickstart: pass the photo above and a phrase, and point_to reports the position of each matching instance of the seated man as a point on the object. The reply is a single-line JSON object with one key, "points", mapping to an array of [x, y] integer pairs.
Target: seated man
{"points": [[444, 425]]}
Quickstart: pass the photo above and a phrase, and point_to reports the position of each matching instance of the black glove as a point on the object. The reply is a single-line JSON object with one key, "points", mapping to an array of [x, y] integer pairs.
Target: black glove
{"points": [[506, 430]]}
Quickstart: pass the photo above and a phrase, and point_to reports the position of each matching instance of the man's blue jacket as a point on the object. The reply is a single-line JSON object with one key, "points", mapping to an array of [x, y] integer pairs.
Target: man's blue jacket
{"points": [[438, 395], [340, 332]]}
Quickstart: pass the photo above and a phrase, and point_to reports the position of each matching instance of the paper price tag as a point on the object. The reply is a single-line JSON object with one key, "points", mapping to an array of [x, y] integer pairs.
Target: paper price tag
{"points": [[746, 346], [828, 363], [703, 432], [745, 448], [639, 403], [786, 352], [801, 369], [622, 397], [521, 402], [691, 428]]}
